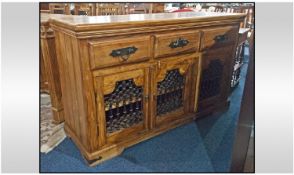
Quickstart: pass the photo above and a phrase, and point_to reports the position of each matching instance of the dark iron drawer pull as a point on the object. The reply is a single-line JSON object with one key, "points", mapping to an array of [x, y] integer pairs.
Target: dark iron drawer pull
{"points": [[179, 43], [123, 53], [221, 38]]}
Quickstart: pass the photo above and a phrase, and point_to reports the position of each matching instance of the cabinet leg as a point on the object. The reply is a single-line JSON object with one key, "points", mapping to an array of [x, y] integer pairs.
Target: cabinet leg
{"points": [[58, 114], [93, 162]]}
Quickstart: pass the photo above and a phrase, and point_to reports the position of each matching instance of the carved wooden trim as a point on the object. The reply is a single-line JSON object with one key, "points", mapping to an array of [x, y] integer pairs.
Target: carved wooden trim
{"points": [[136, 30], [182, 66], [47, 32]]}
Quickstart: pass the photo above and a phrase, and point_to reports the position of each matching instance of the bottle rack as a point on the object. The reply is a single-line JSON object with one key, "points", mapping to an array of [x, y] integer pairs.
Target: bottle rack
{"points": [[170, 92], [124, 106]]}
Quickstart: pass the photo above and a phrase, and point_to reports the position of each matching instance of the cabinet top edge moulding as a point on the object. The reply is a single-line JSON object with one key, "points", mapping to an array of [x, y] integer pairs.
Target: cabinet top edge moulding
{"points": [[89, 26]]}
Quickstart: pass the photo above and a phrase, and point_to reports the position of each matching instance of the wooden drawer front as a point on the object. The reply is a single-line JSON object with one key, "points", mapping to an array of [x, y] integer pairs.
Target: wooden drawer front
{"points": [[120, 51], [175, 43], [218, 37]]}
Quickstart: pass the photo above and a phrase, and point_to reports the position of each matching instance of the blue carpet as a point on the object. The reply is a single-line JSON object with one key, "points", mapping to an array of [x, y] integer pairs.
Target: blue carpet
{"points": [[201, 146]]}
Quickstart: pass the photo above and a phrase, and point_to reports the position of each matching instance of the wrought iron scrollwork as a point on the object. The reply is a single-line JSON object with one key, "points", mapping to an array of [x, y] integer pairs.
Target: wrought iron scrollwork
{"points": [[170, 92], [124, 106], [178, 43], [211, 80], [124, 53]]}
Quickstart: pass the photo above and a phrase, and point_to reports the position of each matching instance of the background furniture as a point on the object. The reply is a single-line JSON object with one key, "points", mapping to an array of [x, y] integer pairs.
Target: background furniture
{"points": [[109, 9], [122, 84], [44, 8], [248, 10], [59, 8], [87, 9], [242, 38], [43, 78], [139, 8], [246, 117], [50, 68]]}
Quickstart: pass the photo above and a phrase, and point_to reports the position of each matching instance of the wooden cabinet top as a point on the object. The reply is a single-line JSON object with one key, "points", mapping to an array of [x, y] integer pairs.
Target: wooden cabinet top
{"points": [[90, 23]]}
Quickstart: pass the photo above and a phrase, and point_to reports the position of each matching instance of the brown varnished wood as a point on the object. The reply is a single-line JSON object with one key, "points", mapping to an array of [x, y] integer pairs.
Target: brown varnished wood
{"points": [[100, 51], [106, 84], [43, 78], [64, 7], [223, 54], [209, 35], [184, 64], [110, 151], [109, 9], [86, 8], [84, 23], [88, 73], [110, 80], [195, 82], [73, 92], [50, 71], [163, 41]]}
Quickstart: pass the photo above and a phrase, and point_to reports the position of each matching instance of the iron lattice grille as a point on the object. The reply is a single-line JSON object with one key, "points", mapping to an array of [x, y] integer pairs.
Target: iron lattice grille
{"points": [[211, 80], [170, 92], [124, 106]]}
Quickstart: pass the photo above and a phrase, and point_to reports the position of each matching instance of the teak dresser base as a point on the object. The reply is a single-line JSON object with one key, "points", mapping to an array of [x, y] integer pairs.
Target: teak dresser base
{"points": [[127, 78]]}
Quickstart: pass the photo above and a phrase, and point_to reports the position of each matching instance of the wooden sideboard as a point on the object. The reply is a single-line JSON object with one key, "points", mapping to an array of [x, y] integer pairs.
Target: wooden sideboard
{"points": [[127, 78]]}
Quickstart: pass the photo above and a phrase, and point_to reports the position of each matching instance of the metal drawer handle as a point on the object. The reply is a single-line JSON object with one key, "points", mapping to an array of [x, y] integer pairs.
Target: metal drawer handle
{"points": [[124, 53], [221, 38], [179, 43]]}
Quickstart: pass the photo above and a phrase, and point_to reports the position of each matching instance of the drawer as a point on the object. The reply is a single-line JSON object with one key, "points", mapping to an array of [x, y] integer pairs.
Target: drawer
{"points": [[218, 37], [175, 43], [119, 51]]}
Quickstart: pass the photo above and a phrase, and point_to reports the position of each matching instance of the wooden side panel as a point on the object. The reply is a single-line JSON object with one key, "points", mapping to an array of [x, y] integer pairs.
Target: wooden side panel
{"points": [[73, 90], [89, 96], [51, 69]]}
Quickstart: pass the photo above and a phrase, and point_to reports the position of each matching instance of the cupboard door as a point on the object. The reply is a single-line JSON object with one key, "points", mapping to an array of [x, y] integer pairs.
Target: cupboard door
{"points": [[171, 85], [215, 77], [122, 99]]}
